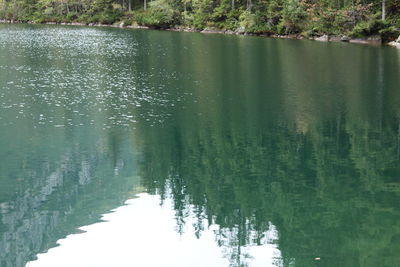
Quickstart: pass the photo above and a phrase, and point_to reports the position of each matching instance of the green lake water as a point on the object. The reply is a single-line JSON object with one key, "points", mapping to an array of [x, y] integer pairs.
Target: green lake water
{"points": [[153, 148]]}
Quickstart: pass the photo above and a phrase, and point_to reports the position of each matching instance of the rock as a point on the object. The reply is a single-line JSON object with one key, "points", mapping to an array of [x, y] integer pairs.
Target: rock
{"points": [[394, 44], [190, 30], [335, 38], [293, 36], [122, 24], [323, 38], [137, 26], [344, 39], [241, 30], [212, 30], [371, 40]]}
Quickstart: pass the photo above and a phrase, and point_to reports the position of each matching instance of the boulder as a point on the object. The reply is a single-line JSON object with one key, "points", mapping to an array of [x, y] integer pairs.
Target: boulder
{"points": [[335, 38], [394, 44], [323, 38], [371, 40], [344, 39], [241, 30], [212, 30]]}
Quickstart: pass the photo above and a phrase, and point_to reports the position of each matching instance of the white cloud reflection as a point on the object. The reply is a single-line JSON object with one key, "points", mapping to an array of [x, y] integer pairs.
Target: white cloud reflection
{"points": [[142, 233]]}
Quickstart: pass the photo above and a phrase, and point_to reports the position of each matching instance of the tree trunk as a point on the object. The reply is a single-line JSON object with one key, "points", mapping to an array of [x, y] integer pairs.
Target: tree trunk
{"points": [[249, 5], [354, 13], [233, 4], [383, 9], [145, 5]]}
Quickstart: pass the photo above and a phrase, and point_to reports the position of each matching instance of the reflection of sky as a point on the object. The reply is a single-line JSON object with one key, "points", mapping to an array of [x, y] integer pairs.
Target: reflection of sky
{"points": [[142, 233]]}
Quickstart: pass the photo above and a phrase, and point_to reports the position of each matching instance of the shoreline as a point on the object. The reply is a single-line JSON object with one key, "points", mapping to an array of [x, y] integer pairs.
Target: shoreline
{"points": [[374, 40]]}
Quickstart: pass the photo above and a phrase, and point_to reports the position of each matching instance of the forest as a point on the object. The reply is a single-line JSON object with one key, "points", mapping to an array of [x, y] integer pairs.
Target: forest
{"points": [[301, 18]]}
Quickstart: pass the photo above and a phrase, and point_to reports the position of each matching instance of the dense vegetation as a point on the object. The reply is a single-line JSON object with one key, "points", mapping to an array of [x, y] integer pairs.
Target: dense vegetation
{"points": [[302, 17]]}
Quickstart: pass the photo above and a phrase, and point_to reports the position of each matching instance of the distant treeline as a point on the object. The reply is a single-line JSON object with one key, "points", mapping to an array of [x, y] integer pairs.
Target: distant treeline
{"points": [[302, 17]]}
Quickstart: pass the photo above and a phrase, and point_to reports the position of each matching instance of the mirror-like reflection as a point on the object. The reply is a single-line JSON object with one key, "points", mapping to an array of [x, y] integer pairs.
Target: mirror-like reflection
{"points": [[126, 239], [52, 186], [248, 135]]}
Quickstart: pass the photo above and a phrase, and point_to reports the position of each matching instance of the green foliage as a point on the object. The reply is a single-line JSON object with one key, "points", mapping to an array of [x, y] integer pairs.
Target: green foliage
{"points": [[202, 11], [71, 17], [389, 33], [220, 13], [293, 16], [330, 21], [255, 22], [129, 18], [305, 17], [368, 28], [159, 15], [247, 20]]}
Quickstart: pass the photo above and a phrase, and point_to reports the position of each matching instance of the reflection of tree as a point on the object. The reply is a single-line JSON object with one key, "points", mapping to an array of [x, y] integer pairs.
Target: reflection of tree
{"points": [[331, 191], [247, 131], [76, 183]]}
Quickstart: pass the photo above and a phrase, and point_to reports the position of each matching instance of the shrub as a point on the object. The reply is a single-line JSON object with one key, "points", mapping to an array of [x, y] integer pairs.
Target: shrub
{"points": [[389, 34], [373, 27], [247, 20], [199, 20], [70, 17], [293, 15], [159, 15], [128, 18]]}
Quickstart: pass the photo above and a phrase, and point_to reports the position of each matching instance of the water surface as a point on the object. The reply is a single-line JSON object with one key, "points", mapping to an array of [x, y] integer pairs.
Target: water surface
{"points": [[249, 151]]}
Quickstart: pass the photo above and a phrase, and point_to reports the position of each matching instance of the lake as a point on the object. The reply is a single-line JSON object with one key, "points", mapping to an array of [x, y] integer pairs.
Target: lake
{"points": [[152, 148]]}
